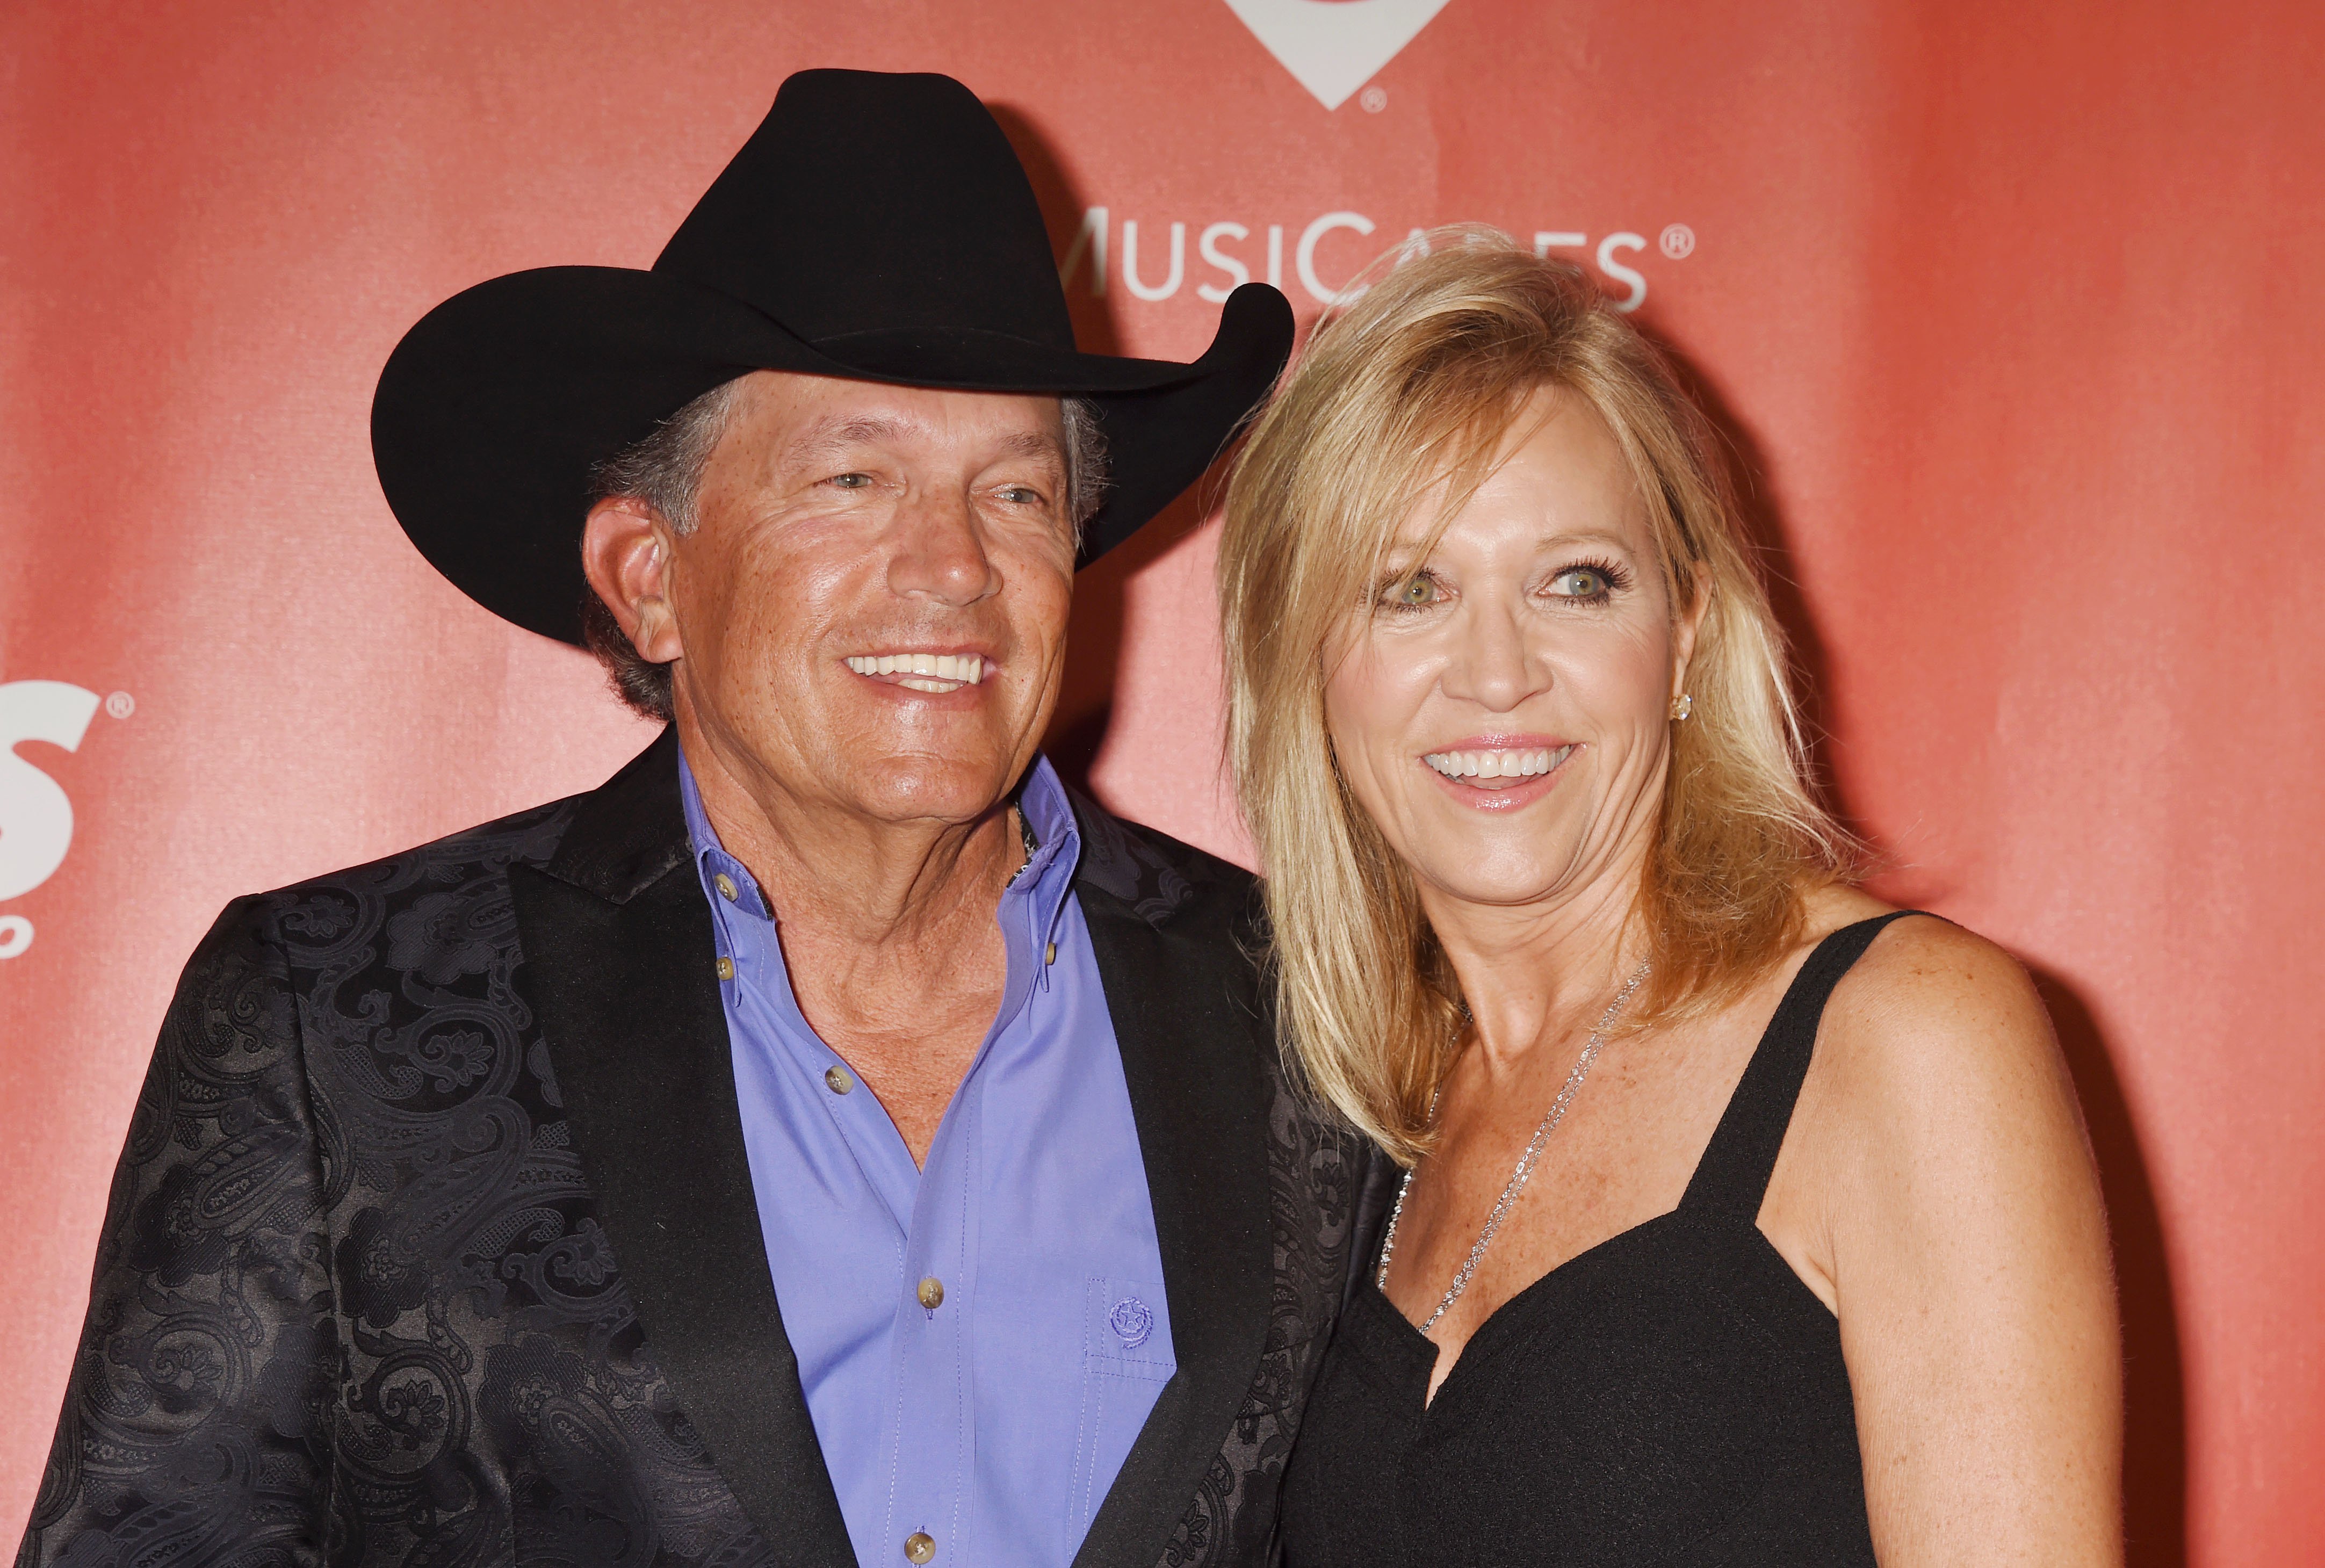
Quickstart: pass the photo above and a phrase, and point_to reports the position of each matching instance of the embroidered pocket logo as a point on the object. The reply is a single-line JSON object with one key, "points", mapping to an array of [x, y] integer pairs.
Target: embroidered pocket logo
{"points": [[1132, 1321]]}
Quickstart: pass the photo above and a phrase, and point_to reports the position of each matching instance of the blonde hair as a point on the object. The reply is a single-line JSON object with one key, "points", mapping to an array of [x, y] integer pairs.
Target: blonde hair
{"points": [[1415, 385]]}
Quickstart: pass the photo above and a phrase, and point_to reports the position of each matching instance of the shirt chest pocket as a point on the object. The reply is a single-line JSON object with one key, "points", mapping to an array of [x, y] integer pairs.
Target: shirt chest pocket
{"points": [[1126, 1358]]}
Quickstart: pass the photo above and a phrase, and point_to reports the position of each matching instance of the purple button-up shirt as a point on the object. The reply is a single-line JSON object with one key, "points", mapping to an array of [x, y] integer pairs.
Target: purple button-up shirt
{"points": [[994, 1421]]}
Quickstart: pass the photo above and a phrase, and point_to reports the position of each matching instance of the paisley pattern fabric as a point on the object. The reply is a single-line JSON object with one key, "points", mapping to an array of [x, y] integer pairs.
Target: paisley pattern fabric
{"points": [[1314, 1177], [354, 1305]]}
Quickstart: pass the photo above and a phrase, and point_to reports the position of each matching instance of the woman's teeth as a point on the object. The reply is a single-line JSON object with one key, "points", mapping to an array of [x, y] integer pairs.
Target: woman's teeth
{"points": [[1489, 768], [923, 671]]}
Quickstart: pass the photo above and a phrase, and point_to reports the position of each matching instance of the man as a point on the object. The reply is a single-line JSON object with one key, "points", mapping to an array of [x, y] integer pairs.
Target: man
{"points": [[829, 1141]]}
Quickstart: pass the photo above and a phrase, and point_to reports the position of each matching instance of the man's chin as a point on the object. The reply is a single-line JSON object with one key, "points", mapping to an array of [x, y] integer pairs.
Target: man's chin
{"points": [[916, 790]]}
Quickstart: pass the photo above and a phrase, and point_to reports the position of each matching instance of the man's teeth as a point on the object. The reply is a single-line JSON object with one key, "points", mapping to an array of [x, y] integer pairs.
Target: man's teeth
{"points": [[923, 671], [1517, 762]]}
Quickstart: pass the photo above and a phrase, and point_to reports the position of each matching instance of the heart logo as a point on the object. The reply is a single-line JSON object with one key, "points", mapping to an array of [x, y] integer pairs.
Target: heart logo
{"points": [[1335, 46]]}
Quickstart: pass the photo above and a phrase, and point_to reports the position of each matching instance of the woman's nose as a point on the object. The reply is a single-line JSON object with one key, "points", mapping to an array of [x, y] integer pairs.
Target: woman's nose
{"points": [[1490, 666]]}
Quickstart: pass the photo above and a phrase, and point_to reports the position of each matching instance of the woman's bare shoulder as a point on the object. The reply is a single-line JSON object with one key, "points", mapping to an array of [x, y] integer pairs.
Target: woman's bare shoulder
{"points": [[1920, 972], [1937, 1037]]}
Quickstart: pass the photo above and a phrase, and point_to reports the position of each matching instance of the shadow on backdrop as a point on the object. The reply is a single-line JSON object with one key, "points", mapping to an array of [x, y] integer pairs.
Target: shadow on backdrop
{"points": [[1763, 532], [2155, 1457], [1078, 728]]}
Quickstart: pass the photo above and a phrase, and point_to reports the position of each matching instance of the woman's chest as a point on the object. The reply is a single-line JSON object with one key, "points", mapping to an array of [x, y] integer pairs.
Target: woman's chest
{"points": [[1672, 1386], [1505, 1200]]}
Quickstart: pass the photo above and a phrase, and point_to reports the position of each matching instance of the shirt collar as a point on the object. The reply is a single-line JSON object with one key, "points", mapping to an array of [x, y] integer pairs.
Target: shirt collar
{"points": [[1047, 879], [1043, 881]]}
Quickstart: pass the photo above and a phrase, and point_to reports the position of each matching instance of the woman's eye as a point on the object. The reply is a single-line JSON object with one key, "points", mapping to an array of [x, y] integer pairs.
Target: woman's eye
{"points": [[1580, 582], [1414, 591]]}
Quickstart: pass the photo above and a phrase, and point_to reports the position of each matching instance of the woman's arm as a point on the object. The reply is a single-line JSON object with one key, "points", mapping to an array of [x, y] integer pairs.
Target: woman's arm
{"points": [[1967, 1249]]}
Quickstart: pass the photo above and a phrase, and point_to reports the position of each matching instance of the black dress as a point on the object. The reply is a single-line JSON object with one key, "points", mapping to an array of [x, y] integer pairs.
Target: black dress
{"points": [[1675, 1395]]}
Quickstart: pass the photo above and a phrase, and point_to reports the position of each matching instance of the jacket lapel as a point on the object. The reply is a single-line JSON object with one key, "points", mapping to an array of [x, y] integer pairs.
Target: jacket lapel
{"points": [[1193, 1043], [619, 955]]}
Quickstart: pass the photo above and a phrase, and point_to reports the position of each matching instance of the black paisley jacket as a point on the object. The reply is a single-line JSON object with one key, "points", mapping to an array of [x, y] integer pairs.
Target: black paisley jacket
{"points": [[433, 1243]]}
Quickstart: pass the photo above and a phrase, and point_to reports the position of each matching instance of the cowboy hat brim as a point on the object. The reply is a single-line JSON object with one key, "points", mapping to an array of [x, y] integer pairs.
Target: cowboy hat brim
{"points": [[495, 411]]}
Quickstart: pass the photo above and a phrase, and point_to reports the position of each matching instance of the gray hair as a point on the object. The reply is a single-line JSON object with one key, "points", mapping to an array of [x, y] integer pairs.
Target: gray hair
{"points": [[665, 471]]}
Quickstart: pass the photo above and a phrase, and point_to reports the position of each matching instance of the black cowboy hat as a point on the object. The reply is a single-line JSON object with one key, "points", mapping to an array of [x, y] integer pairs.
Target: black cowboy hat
{"points": [[875, 228]]}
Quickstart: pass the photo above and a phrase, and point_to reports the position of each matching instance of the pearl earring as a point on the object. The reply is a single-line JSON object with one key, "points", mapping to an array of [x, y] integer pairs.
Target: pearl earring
{"points": [[1681, 706]]}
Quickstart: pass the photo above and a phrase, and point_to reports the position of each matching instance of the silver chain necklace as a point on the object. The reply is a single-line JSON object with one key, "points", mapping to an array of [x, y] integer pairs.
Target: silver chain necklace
{"points": [[1517, 1182]]}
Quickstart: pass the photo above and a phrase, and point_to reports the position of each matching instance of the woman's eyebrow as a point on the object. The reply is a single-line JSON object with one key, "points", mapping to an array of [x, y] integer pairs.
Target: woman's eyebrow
{"points": [[1588, 536], [1406, 546]]}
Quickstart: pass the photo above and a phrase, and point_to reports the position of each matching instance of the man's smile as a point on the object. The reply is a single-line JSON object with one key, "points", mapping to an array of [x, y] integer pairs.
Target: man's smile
{"points": [[935, 673]]}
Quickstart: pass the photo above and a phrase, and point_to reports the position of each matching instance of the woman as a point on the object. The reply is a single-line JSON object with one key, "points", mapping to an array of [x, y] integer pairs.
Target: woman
{"points": [[1745, 1220]]}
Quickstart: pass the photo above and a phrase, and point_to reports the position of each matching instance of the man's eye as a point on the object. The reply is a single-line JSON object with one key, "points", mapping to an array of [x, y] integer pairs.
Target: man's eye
{"points": [[1022, 496], [851, 481], [1582, 583]]}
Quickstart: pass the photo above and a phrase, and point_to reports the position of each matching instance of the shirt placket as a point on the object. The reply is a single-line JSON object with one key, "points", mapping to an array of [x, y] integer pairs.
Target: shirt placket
{"points": [[934, 1395], [930, 1420], [933, 1398]]}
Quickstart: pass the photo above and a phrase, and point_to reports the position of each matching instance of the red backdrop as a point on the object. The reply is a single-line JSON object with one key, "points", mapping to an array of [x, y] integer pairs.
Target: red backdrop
{"points": [[2011, 312]]}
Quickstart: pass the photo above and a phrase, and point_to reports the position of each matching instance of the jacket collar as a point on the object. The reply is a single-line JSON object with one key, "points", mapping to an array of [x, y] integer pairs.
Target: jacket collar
{"points": [[619, 961], [630, 831]]}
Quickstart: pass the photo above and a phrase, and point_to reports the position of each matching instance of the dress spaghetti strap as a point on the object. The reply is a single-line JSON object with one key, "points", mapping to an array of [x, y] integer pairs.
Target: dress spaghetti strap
{"points": [[1732, 1178]]}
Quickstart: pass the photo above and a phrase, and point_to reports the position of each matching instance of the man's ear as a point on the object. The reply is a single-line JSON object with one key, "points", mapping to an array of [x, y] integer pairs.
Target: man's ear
{"points": [[626, 555]]}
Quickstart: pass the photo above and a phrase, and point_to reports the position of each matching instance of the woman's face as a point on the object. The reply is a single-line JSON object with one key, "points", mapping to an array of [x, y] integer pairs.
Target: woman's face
{"points": [[1502, 707]]}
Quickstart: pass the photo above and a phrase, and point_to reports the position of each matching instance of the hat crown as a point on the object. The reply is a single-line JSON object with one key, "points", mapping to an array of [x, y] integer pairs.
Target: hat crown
{"points": [[870, 202]]}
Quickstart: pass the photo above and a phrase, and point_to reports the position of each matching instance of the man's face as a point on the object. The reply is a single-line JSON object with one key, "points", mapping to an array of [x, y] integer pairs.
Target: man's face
{"points": [[872, 608]]}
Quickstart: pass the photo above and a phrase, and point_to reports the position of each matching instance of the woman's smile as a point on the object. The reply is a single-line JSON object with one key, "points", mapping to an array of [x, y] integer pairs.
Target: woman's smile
{"points": [[1499, 773]]}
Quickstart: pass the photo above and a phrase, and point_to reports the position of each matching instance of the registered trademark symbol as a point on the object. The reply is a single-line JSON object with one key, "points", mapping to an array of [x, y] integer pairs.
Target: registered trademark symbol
{"points": [[15, 935], [121, 705], [1677, 241], [1374, 99]]}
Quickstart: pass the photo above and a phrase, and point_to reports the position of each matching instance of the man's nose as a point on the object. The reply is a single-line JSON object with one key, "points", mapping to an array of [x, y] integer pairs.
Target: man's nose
{"points": [[940, 551], [1489, 665]]}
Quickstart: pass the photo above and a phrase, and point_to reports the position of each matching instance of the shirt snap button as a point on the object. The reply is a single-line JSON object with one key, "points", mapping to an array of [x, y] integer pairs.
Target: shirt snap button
{"points": [[836, 1079], [931, 1295], [920, 1546], [725, 969], [725, 886]]}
